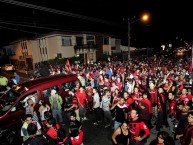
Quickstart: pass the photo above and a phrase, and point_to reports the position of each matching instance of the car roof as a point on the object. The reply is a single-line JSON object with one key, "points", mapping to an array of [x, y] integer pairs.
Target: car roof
{"points": [[9, 64], [27, 85]]}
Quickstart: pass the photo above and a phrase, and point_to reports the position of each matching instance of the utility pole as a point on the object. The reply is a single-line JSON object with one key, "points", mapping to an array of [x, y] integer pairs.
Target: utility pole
{"points": [[145, 17]]}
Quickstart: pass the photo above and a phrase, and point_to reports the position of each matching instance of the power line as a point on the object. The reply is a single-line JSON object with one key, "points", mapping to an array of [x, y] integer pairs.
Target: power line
{"points": [[41, 8], [18, 30], [29, 25]]}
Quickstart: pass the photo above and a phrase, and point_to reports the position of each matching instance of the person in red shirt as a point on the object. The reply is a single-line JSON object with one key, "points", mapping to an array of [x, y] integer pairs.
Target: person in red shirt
{"points": [[183, 96], [187, 138], [136, 96], [72, 105], [82, 101], [171, 113], [76, 135], [119, 84], [52, 133], [145, 108], [189, 95], [106, 82], [101, 81], [161, 119], [116, 96], [136, 127], [128, 100], [89, 92], [153, 98]]}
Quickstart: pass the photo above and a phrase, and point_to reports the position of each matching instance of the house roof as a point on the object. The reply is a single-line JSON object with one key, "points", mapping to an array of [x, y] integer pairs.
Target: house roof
{"points": [[54, 33]]}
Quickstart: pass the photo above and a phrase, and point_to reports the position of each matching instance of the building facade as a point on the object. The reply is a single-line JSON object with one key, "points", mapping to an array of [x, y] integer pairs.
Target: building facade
{"points": [[87, 46]]}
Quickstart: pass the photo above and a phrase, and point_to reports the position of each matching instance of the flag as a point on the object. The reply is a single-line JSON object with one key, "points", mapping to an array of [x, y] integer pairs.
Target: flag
{"points": [[68, 66]]}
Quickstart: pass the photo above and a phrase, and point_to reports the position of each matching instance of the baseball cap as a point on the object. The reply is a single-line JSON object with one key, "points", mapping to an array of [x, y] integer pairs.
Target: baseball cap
{"points": [[53, 91]]}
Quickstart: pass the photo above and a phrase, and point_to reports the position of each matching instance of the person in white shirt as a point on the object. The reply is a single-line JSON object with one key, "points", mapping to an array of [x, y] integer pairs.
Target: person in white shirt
{"points": [[31, 96], [96, 107], [28, 120], [105, 105]]}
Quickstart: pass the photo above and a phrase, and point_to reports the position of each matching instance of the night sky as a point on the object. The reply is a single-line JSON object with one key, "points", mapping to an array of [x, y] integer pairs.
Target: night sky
{"points": [[30, 18]]}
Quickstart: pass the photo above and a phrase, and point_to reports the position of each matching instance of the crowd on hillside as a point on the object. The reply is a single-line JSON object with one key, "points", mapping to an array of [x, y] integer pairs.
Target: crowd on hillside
{"points": [[134, 98]]}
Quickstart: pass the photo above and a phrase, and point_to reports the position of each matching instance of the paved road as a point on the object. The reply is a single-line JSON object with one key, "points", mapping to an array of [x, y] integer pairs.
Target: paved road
{"points": [[98, 135]]}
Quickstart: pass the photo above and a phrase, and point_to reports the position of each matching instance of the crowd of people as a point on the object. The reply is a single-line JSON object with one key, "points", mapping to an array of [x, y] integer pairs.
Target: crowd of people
{"points": [[134, 98]]}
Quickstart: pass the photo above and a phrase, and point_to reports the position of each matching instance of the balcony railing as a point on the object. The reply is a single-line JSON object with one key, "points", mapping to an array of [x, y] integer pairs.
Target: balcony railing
{"points": [[86, 46]]}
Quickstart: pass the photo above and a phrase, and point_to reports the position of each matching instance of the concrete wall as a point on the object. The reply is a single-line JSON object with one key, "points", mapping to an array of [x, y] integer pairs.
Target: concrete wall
{"points": [[53, 46], [107, 49], [36, 54]]}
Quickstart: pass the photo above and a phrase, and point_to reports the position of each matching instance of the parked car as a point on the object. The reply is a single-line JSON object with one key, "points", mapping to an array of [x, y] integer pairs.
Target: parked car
{"points": [[8, 67], [12, 102]]}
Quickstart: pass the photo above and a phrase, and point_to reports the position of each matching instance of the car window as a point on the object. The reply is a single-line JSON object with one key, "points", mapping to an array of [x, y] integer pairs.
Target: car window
{"points": [[47, 92], [7, 99], [68, 86]]}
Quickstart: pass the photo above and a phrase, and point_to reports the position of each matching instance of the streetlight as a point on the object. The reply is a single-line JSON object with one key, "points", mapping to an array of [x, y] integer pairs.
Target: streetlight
{"points": [[145, 17]]}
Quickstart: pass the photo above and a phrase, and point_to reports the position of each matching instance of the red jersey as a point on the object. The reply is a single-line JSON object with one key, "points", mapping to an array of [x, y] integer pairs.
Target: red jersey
{"points": [[101, 82], [90, 76], [172, 107], [122, 70], [136, 128], [146, 101], [137, 95], [89, 93], [188, 135], [75, 102], [161, 101], [166, 87], [116, 97], [81, 97], [77, 140], [153, 96], [183, 98], [129, 101], [52, 133], [189, 96], [119, 85], [107, 84]]}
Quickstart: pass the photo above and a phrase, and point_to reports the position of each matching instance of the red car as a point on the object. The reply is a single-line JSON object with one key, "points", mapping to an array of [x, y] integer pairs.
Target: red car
{"points": [[12, 103]]}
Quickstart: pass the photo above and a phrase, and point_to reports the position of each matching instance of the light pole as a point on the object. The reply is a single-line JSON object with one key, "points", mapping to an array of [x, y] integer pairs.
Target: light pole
{"points": [[145, 17]]}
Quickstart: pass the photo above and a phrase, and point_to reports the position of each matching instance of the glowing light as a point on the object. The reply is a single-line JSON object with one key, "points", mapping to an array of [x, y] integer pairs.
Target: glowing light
{"points": [[145, 17], [163, 47]]}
